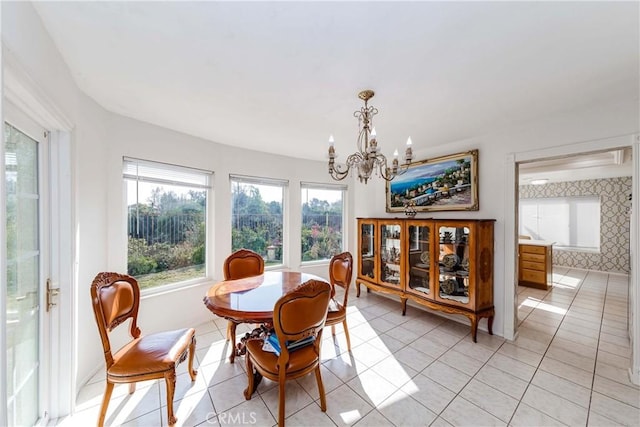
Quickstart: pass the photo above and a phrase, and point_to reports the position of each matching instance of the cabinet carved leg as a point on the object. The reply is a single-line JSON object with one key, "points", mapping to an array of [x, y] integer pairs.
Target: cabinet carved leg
{"points": [[404, 306], [357, 289], [474, 327], [490, 325]]}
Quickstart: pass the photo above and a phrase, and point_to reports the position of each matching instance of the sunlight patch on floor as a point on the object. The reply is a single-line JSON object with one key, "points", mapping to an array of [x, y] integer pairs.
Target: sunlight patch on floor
{"points": [[349, 417], [133, 403], [567, 282], [529, 302], [551, 308]]}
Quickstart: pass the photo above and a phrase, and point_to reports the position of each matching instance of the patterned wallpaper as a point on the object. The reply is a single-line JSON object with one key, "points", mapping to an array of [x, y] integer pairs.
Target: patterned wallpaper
{"points": [[614, 221]]}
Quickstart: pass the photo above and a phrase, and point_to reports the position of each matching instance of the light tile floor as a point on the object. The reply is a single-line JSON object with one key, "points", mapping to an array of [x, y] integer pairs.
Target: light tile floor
{"points": [[568, 366]]}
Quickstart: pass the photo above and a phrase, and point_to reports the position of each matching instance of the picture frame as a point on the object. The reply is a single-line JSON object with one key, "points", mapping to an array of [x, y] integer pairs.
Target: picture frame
{"points": [[447, 183]]}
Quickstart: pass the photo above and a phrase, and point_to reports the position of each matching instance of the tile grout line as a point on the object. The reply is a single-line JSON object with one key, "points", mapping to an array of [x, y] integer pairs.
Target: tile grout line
{"points": [[537, 367], [595, 361], [596, 358]]}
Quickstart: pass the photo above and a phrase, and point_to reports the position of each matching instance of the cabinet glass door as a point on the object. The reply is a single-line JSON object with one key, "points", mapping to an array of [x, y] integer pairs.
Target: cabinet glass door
{"points": [[390, 253], [419, 259], [453, 264], [367, 247]]}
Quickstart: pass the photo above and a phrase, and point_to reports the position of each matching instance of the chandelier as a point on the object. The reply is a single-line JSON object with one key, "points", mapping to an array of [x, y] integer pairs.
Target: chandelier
{"points": [[368, 158]]}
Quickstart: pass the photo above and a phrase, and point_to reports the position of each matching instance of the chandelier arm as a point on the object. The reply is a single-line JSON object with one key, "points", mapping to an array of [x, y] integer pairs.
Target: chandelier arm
{"points": [[354, 159], [381, 160], [341, 168], [385, 171], [403, 168], [338, 176], [340, 171]]}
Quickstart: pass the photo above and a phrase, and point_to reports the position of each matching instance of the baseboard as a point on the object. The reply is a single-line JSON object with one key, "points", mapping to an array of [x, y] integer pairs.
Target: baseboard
{"points": [[634, 375]]}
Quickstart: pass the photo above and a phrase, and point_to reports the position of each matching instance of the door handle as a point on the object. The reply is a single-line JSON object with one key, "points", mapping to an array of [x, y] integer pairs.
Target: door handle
{"points": [[51, 292]]}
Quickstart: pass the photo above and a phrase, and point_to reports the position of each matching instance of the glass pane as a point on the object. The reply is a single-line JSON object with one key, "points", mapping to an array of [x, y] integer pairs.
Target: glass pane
{"points": [[453, 263], [419, 258], [390, 253], [257, 220], [22, 215], [21, 162], [569, 222], [166, 233], [23, 277], [367, 234], [321, 223]]}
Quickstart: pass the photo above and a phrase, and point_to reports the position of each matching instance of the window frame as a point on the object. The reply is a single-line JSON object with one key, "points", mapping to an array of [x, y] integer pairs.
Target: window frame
{"points": [[207, 187], [275, 182], [322, 186]]}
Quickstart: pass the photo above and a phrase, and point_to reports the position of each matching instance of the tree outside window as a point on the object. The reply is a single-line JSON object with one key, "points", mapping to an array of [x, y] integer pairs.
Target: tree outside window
{"points": [[166, 222], [322, 222], [257, 219]]}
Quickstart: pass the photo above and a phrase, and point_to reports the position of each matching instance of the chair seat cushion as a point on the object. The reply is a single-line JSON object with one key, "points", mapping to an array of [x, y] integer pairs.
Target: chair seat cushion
{"points": [[336, 315], [334, 305], [299, 359], [151, 354]]}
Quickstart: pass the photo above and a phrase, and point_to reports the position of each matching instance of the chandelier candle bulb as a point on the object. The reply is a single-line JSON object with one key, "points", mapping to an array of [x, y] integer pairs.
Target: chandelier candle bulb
{"points": [[332, 154], [373, 148], [409, 153]]}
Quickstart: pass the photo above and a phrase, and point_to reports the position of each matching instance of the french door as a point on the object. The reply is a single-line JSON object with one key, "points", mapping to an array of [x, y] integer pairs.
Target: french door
{"points": [[27, 271]]}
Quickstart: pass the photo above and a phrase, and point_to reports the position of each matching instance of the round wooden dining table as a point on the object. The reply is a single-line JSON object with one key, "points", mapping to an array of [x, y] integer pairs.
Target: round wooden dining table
{"points": [[251, 299]]}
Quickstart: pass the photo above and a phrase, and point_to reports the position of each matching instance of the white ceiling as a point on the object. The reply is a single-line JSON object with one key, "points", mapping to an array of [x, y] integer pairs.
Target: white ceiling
{"points": [[281, 76], [605, 164]]}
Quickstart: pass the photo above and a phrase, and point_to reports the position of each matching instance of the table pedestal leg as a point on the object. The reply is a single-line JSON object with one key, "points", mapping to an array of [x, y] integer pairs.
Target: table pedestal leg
{"points": [[260, 332]]}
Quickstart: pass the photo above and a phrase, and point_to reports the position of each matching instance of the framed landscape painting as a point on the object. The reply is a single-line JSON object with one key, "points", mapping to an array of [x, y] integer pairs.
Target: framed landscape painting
{"points": [[448, 183]]}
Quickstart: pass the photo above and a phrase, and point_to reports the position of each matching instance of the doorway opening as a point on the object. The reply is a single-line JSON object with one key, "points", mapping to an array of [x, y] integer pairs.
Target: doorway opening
{"points": [[514, 162], [576, 210]]}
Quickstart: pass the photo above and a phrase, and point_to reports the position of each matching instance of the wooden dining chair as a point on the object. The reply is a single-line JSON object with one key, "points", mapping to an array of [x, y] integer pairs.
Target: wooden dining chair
{"points": [[116, 299], [243, 263], [340, 271], [298, 315], [240, 264]]}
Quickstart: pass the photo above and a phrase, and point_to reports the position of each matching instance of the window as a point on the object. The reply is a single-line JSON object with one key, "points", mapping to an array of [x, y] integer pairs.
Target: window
{"points": [[322, 221], [257, 220], [570, 222], [167, 222]]}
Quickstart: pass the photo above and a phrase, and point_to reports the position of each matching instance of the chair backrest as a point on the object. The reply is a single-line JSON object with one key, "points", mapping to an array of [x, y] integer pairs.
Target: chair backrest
{"points": [[302, 313], [243, 263], [115, 298], [340, 271]]}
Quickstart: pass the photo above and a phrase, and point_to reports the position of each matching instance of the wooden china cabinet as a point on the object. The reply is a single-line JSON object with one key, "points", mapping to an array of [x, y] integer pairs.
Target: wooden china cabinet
{"points": [[442, 264]]}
